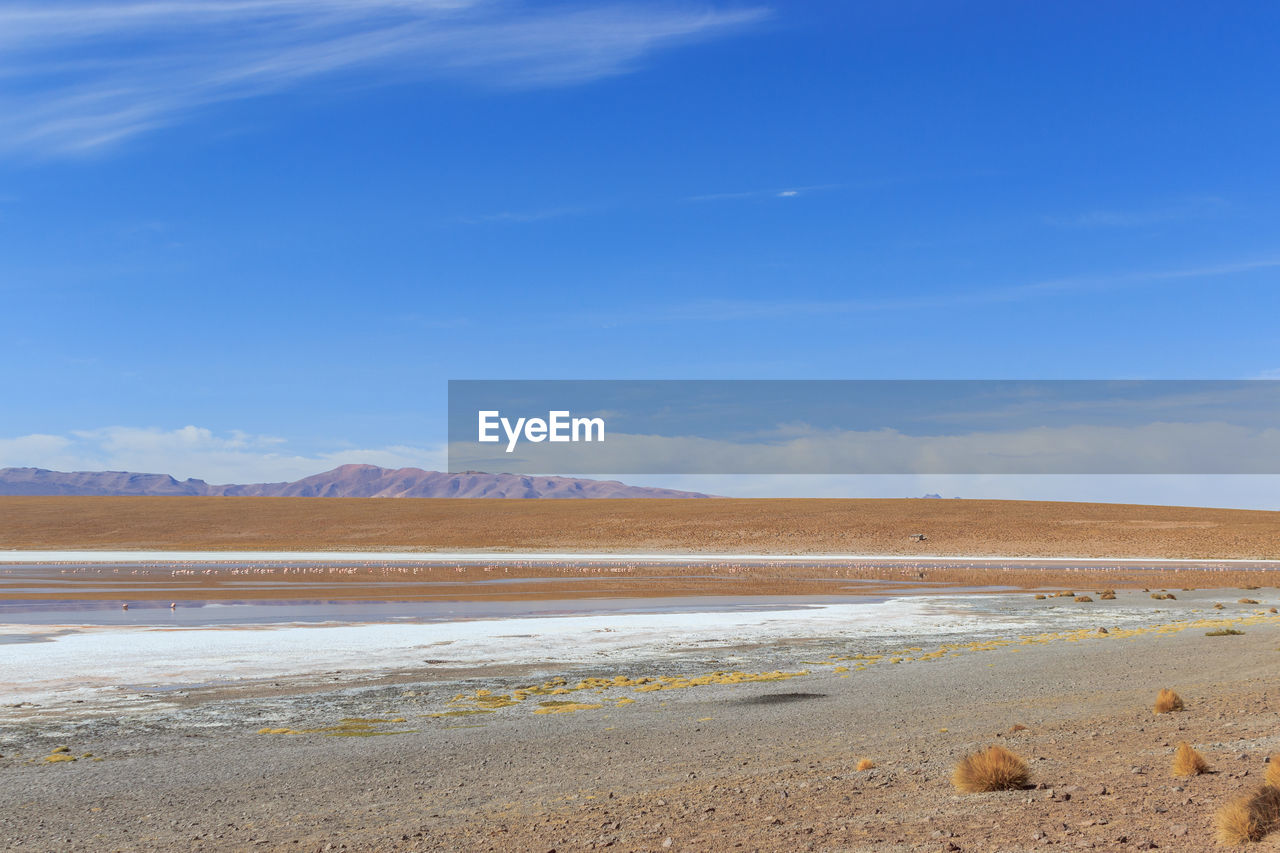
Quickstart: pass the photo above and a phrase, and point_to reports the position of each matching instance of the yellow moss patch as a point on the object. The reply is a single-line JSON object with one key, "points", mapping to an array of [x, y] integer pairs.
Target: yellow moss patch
{"points": [[567, 707]]}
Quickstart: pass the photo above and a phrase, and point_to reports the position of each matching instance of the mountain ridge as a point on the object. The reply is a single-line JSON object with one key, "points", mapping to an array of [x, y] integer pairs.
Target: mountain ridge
{"points": [[345, 481]]}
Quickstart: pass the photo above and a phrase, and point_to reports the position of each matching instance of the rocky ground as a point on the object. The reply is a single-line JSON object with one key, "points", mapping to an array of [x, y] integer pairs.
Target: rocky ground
{"points": [[734, 764]]}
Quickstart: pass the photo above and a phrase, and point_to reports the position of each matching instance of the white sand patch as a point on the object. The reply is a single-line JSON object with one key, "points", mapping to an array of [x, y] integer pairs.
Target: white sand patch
{"points": [[113, 658]]}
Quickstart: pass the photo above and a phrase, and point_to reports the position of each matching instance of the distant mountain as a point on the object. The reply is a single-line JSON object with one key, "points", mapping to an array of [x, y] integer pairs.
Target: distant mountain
{"points": [[346, 481]]}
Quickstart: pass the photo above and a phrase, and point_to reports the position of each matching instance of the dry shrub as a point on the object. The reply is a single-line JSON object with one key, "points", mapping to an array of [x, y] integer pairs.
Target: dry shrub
{"points": [[1273, 771], [866, 764], [1188, 762], [1273, 610], [1250, 817], [1106, 592], [1248, 601], [1084, 599], [993, 769], [1064, 594], [1040, 596], [1217, 607], [1108, 596], [1167, 700]]}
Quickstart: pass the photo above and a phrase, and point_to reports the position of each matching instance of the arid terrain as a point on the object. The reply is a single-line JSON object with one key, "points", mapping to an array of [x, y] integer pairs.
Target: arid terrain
{"points": [[466, 761], [799, 526], [642, 728]]}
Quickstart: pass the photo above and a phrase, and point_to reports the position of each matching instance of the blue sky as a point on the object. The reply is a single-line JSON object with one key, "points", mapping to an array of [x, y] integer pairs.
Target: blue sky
{"points": [[245, 239]]}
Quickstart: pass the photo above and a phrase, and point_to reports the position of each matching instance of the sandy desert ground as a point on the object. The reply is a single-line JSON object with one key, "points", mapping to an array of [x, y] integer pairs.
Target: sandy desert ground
{"points": [[953, 527]]}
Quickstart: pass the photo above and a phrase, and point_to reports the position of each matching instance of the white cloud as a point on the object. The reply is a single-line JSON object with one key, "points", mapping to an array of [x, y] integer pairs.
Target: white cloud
{"points": [[191, 451], [84, 75], [785, 192]]}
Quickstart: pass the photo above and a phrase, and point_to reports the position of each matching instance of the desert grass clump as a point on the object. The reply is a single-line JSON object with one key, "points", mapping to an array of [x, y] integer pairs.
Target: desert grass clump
{"points": [[1223, 632], [1040, 596], [1108, 596], [1188, 762], [1217, 607], [1250, 817], [1248, 601], [1084, 599], [1167, 700], [1272, 776], [993, 769], [866, 764]]}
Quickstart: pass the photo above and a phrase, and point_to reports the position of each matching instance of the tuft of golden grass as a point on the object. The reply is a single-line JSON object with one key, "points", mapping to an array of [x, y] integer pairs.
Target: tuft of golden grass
{"points": [[1223, 632], [1273, 771], [1188, 762], [866, 764], [1040, 596], [1084, 599], [1108, 596], [1167, 700], [1248, 601], [993, 769], [1250, 817]]}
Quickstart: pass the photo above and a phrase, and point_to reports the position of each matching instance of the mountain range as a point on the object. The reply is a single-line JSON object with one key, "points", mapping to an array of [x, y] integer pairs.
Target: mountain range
{"points": [[346, 481]]}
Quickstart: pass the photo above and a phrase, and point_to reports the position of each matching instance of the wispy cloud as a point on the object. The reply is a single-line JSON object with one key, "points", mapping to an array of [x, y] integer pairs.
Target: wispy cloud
{"points": [[737, 310], [1180, 211], [782, 192], [79, 76]]}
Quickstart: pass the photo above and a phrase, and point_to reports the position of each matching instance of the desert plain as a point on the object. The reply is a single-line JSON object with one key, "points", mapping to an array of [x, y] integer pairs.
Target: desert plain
{"points": [[727, 703]]}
